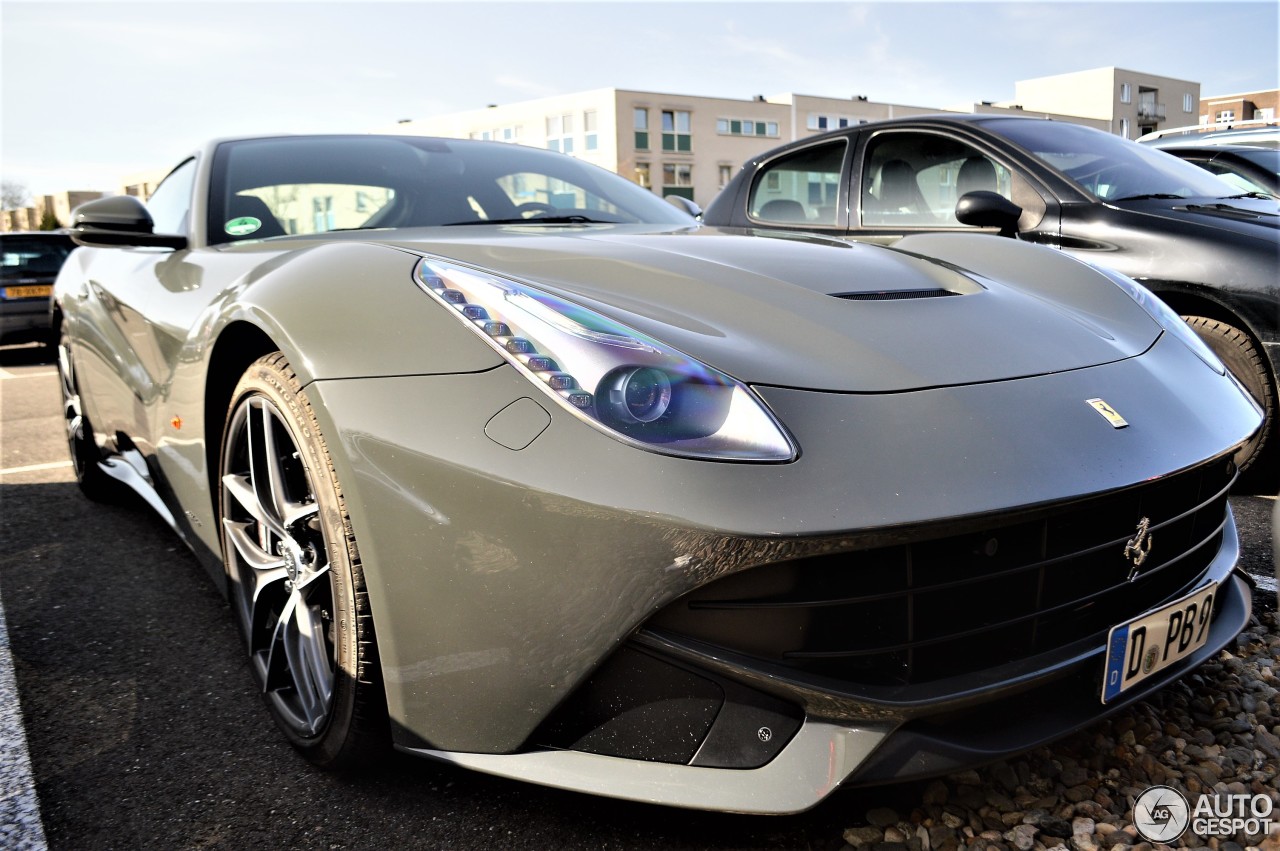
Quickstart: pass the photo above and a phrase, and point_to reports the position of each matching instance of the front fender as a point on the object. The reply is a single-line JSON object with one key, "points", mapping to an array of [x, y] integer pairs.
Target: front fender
{"points": [[352, 310]]}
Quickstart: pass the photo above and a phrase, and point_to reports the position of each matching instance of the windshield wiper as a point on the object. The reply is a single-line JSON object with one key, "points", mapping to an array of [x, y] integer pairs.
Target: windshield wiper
{"points": [[540, 220], [1164, 196], [1264, 196]]}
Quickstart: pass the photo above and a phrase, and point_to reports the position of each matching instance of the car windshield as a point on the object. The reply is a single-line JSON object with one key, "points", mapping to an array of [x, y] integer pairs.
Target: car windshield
{"points": [[1111, 168], [31, 256], [317, 184]]}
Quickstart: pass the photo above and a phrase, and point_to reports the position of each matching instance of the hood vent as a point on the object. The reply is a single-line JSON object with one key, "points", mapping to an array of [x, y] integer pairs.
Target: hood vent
{"points": [[894, 295]]}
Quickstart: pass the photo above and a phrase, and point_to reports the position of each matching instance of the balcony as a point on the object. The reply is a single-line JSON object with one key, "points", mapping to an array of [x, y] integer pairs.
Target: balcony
{"points": [[1150, 111]]}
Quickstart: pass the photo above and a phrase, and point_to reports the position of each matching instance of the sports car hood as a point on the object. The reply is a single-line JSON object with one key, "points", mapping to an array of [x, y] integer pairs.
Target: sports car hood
{"points": [[812, 313]]}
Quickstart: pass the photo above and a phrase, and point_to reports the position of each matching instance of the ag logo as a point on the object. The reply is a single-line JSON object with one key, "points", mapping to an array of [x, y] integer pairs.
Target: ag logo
{"points": [[1161, 814]]}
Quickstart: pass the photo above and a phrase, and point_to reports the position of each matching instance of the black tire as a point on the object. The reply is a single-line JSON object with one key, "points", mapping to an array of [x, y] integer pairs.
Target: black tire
{"points": [[1237, 351], [294, 575], [93, 481]]}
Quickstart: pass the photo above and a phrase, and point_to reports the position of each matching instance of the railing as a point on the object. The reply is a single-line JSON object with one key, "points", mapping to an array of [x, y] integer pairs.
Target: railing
{"points": [[1150, 109]]}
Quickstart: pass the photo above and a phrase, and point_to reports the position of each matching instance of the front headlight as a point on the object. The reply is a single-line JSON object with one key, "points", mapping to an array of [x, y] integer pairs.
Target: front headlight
{"points": [[617, 379], [1166, 317]]}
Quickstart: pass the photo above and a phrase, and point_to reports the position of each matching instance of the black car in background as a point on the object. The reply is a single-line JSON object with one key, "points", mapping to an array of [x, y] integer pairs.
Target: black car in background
{"points": [[29, 263], [1203, 246]]}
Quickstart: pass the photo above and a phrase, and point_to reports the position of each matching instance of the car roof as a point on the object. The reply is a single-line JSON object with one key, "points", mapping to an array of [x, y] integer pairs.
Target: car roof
{"points": [[1268, 137], [956, 118], [1216, 149]]}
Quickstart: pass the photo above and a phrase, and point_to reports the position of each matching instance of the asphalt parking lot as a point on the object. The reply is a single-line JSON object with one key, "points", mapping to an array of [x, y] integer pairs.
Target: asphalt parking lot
{"points": [[144, 730]]}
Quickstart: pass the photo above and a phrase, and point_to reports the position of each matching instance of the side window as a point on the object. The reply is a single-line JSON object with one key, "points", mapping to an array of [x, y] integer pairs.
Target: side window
{"points": [[170, 204], [800, 188], [915, 179]]}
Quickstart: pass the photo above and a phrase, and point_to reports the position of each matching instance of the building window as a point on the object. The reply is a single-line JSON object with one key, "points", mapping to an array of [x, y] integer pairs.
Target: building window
{"points": [[832, 122], [642, 128], [1226, 115], [590, 139], [677, 179], [643, 176], [560, 133], [1126, 93], [746, 127], [726, 174], [1124, 128], [322, 215], [675, 131], [1188, 104], [1265, 114]]}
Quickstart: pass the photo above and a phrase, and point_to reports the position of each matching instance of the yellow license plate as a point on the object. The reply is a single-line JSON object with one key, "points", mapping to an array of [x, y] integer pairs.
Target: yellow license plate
{"points": [[28, 292]]}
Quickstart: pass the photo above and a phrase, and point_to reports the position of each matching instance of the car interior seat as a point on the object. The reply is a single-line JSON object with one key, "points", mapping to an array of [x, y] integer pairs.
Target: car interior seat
{"points": [[782, 210], [976, 174]]}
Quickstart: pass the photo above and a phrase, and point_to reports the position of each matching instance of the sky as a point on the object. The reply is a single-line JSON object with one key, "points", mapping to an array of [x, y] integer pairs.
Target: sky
{"points": [[92, 92]]}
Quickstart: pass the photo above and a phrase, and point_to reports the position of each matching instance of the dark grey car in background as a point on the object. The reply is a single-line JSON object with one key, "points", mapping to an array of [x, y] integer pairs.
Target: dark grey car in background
{"points": [[1249, 169], [1209, 250], [503, 461], [29, 263]]}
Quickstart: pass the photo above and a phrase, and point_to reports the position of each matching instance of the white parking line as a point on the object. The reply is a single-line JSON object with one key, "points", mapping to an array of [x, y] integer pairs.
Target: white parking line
{"points": [[31, 468], [20, 825]]}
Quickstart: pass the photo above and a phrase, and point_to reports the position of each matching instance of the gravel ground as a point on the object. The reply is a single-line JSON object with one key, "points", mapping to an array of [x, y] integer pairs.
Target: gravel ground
{"points": [[1216, 732]]}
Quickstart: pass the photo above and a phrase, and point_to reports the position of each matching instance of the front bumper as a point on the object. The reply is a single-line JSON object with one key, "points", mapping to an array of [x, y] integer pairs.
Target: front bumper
{"points": [[22, 320], [825, 754]]}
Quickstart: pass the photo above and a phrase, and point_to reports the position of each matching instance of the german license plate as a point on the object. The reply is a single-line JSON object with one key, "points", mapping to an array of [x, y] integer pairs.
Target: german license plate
{"points": [[43, 291], [1156, 640]]}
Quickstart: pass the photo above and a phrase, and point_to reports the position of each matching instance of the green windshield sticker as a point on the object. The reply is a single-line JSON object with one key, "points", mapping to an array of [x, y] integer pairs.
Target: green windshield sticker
{"points": [[243, 226]]}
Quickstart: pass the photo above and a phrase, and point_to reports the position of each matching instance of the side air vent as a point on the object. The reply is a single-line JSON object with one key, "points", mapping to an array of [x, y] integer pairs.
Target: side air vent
{"points": [[894, 295]]}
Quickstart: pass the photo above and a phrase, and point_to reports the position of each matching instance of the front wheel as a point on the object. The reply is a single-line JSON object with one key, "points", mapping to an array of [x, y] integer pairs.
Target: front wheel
{"points": [[92, 480], [1238, 353], [294, 573]]}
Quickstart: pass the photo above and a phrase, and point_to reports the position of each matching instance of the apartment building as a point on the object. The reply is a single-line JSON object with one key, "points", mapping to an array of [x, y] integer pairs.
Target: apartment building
{"points": [[672, 144], [1131, 102], [1240, 107]]}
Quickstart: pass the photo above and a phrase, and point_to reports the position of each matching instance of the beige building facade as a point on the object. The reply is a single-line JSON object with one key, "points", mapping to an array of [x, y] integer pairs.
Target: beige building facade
{"points": [[60, 204], [1131, 102], [672, 144]]}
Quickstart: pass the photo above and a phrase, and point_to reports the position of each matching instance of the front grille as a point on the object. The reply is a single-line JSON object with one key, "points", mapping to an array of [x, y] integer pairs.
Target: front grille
{"points": [[943, 606]]}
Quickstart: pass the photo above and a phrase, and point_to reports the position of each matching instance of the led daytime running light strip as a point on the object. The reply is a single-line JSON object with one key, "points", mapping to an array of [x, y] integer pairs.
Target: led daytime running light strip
{"points": [[543, 368]]}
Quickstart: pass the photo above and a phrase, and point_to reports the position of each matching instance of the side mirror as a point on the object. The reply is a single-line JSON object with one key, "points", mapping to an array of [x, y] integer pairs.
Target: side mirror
{"points": [[682, 203], [985, 209], [119, 220]]}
